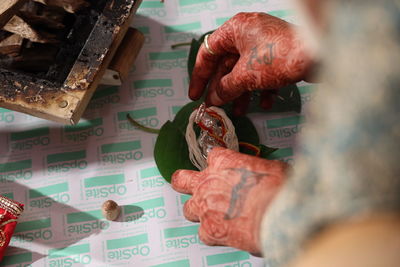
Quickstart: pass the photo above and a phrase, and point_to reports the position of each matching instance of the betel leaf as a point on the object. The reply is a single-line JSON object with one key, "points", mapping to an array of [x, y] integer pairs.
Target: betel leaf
{"points": [[287, 99], [182, 117], [245, 130], [171, 151]]}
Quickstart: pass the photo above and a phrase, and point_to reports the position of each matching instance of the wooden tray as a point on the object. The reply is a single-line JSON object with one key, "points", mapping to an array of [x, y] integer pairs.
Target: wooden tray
{"points": [[66, 101]]}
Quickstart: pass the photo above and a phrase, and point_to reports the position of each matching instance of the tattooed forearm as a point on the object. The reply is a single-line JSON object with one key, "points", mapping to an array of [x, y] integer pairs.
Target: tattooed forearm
{"points": [[248, 179], [263, 56]]}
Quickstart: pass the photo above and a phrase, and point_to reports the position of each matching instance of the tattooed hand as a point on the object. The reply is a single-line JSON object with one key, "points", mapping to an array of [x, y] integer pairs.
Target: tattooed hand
{"points": [[251, 51], [230, 197]]}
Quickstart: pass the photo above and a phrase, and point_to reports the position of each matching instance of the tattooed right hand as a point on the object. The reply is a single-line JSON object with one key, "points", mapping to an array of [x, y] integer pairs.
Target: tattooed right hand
{"points": [[252, 51], [230, 197]]}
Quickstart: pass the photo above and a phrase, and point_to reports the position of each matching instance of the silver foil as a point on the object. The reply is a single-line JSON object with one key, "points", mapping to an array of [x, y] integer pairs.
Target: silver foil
{"points": [[206, 141]]}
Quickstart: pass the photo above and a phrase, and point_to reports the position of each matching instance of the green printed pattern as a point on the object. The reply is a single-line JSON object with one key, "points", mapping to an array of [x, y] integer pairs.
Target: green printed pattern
{"points": [[84, 125], [221, 21], [307, 89], [120, 147], [127, 241], [16, 166], [180, 263], [85, 216], [33, 225], [227, 257], [112, 90], [175, 109], [185, 198], [150, 172], [151, 4], [282, 13], [16, 259], [145, 205], [69, 251], [9, 195], [140, 84], [104, 180], [168, 55], [183, 27], [181, 231], [67, 156], [193, 2], [138, 114], [30, 134], [3, 110], [48, 190], [144, 29]]}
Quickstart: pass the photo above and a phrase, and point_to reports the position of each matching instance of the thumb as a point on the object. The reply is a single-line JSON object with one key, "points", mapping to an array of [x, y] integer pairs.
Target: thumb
{"points": [[233, 85]]}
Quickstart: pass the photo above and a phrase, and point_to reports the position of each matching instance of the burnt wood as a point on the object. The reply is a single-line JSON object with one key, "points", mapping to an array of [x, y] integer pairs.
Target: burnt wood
{"points": [[8, 8], [62, 93]]}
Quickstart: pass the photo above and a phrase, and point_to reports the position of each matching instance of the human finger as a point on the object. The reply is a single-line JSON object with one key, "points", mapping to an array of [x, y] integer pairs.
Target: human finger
{"points": [[234, 84], [220, 43], [214, 230], [206, 238], [225, 66], [185, 181], [222, 158], [191, 210]]}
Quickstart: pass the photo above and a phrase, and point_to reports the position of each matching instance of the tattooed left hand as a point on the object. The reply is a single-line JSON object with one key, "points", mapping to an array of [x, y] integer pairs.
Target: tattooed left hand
{"points": [[250, 51], [230, 197]]}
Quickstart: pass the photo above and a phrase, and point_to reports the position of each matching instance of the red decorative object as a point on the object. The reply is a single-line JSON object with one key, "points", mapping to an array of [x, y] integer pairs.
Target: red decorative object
{"points": [[9, 213]]}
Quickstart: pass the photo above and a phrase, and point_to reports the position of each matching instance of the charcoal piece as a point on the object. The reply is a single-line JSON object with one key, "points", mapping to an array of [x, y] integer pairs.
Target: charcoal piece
{"points": [[40, 16], [4, 35], [18, 26], [35, 58], [71, 6], [41, 21]]}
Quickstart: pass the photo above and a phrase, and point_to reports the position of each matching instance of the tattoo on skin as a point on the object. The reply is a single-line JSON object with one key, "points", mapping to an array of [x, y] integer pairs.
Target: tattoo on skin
{"points": [[248, 179], [263, 57]]}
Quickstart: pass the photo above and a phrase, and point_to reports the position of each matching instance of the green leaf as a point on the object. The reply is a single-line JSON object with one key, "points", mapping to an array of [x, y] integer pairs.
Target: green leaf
{"points": [[287, 99], [171, 151], [182, 117], [245, 130]]}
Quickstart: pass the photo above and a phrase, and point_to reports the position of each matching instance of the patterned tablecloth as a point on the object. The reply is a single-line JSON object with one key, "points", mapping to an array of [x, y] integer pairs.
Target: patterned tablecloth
{"points": [[64, 174]]}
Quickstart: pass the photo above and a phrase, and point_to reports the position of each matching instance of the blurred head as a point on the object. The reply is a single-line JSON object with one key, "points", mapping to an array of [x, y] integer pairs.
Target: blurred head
{"points": [[315, 17]]}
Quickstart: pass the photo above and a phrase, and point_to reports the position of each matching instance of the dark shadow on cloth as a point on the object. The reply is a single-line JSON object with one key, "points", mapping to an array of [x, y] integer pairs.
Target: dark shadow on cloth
{"points": [[52, 223], [130, 213], [20, 256]]}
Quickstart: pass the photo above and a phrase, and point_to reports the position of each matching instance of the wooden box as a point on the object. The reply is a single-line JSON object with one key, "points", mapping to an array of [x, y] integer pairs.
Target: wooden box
{"points": [[64, 93]]}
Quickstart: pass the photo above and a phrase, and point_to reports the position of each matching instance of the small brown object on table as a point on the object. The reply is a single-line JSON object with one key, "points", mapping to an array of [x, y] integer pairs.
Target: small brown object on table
{"points": [[110, 210]]}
